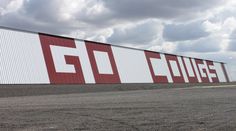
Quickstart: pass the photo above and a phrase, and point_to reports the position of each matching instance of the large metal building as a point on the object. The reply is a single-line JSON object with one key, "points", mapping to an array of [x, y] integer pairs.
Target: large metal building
{"points": [[38, 58]]}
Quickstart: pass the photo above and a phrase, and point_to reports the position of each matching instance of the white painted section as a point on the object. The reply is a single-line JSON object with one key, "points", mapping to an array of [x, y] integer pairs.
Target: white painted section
{"points": [[85, 63], [174, 67], [212, 75], [160, 67], [204, 67], [201, 67], [189, 67], [132, 65], [103, 62], [219, 72], [207, 71], [157, 67], [58, 53], [22, 62], [169, 77], [196, 70], [21, 58], [183, 69], [229, 75]]}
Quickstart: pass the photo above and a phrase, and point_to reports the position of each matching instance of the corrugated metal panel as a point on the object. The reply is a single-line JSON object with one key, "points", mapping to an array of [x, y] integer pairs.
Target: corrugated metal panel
{"points": [[107, 77], [132, 65], [22, 59], [225, 72], [30, 58]]}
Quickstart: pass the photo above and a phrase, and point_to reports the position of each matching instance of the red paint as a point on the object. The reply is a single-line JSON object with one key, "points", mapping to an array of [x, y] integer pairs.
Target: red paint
{"points": [[192, 79], [58, 77], [156, 79], [176, 79], [225, 72], [212, 71], [204, 79], [102, 78]]}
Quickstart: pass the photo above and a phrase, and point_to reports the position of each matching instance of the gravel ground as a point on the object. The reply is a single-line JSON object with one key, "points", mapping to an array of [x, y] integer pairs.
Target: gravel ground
{"points": [[37, 90], [193, 108]]}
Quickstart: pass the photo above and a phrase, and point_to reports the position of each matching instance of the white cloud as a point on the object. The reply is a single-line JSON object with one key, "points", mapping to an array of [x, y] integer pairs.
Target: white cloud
{"points": [[166, 9], [165, 47], [232, 41], [144, 32], [211, 27], [187, 31], [8, 6]]}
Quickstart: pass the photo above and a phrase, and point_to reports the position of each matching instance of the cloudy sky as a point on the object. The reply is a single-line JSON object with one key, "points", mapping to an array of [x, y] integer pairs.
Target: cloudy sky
{"points": [[203, 29]]}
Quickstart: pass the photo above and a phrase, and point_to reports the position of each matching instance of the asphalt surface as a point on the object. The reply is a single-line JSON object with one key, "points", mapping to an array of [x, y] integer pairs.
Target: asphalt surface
{"points": [[190, 108]]}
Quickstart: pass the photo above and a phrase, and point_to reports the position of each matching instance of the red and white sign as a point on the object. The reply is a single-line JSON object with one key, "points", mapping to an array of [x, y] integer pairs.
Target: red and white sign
{"points": [[102, 62], [47, 59]]}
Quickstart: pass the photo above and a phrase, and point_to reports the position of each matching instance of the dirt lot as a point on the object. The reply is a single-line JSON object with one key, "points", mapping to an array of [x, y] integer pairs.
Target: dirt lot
{"points": [[104, 108]]}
